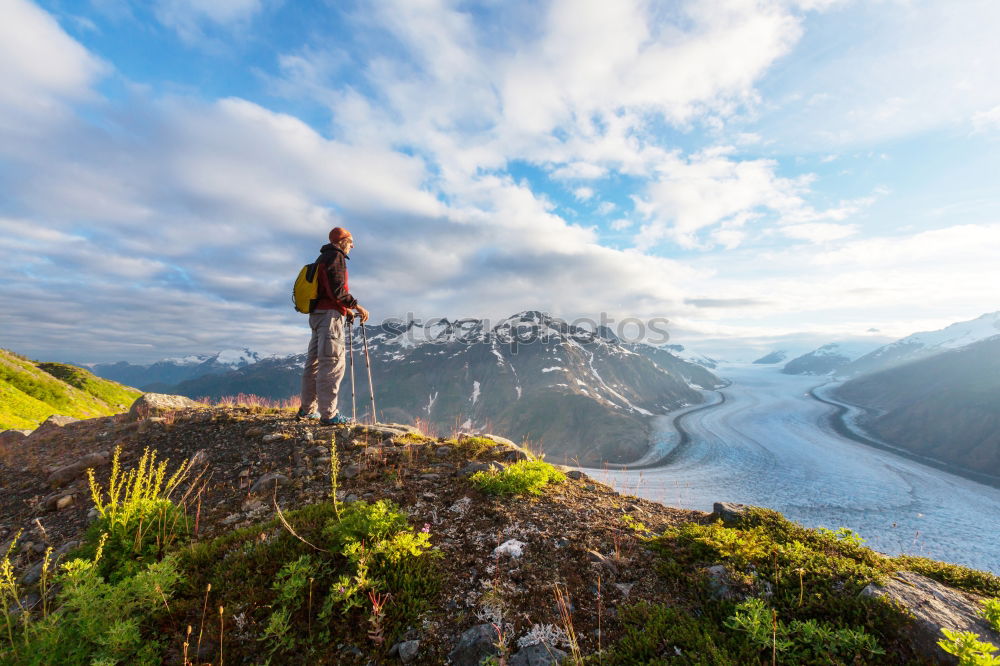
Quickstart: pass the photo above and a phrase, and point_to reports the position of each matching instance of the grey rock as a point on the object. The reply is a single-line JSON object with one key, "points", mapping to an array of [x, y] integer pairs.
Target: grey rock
{"points": [[300, 472], [268, 482], [576, 474], [199, 459], [319, 450], [475, 645], [495, 438], [273, 437], [308, 435], [515, 455], [408, 651], [34, 574], [538, 654], [730, 512], [934, 606], [430, 476], [350, 471], [594, 556], [64, 502], [323, 461], [154, 404], [351, 497], [442, 451], [720, 584], [474, 467], [63, 475], [53, 424]]}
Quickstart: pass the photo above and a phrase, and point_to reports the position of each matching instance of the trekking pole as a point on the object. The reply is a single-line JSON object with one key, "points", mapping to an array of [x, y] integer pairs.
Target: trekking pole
{"points": [[350, 343], [368, 363]]}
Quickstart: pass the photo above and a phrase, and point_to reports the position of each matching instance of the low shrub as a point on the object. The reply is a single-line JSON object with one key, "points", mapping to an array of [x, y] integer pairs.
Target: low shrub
{"points": [[97, 622], [520, 478], [362, 577]]}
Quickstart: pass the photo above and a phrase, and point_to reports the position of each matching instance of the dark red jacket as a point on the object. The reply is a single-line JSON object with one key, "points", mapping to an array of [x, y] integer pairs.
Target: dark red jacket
{"points": [[334, 293]]}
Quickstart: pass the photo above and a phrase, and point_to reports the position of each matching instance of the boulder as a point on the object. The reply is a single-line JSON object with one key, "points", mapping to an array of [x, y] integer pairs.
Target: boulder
{"points": [[730, 512], [350, 471], [268, 482], [60, 477], [153, 404], [9, 437], [475, 645], [538, 654], [54, 423], [934, 606], [408, 650]]}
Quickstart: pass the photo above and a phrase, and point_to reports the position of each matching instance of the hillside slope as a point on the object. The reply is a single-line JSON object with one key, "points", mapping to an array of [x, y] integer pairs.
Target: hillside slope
{"points": [[418, 562], [30, 392], [946, 407]]}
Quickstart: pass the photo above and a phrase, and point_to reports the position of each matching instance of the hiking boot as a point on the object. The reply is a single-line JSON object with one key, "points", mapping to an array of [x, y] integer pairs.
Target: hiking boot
{"points": [[302, 414], [336, 419]]}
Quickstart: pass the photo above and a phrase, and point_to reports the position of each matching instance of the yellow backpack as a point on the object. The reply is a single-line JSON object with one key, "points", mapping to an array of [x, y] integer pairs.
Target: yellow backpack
{"points": [[305, 292]]}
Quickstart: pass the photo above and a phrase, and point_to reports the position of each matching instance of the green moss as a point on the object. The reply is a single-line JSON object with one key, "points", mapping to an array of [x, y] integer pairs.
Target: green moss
{"points": [[971, 580], [810, 579], [659, 634]]}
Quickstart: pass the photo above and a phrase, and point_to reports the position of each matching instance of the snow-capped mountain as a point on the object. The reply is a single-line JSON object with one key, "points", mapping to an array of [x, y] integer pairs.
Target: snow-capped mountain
{"points": [[578, 394], [169, 371], [691, 356], [925, 344], [776, 356], [828, 358]]}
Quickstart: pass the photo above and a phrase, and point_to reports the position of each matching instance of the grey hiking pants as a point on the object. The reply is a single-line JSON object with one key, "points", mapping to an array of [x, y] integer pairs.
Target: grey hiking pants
{"points": [[325, 364]]}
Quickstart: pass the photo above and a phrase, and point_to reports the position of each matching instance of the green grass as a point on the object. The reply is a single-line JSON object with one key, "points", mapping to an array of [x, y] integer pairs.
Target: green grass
{"points": [[30, 392], [111, 393], [526, 477]]}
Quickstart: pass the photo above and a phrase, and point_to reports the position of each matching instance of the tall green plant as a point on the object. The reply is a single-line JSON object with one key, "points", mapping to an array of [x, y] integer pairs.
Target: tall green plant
{"points": [[136, 512]]}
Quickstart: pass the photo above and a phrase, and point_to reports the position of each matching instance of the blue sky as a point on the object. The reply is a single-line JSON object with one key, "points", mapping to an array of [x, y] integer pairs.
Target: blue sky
{"points": [[762, 173]]}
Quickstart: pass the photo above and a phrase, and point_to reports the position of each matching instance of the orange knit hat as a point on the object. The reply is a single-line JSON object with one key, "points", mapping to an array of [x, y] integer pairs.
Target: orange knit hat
{"points": [[338, 234]]}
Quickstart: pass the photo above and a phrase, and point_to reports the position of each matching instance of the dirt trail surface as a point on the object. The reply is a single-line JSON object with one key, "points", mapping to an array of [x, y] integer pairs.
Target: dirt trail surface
{"points": [[575, 534]]}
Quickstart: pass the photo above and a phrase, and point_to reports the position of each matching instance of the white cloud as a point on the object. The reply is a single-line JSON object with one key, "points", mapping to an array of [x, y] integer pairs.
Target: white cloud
{"points": [[983, 121], [189, 17], [818, 232], [43, 68], [711, 188], [914, 66], [605, 208], [621, 224], [583, 193]]}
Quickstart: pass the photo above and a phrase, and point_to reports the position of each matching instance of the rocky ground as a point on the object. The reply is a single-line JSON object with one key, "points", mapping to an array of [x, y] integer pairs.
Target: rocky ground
{"points": [[505, 560], [573, 535]]}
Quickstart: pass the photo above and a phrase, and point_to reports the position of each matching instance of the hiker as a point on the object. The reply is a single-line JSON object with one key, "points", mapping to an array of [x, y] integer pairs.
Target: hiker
{"points": [[325, 363]]}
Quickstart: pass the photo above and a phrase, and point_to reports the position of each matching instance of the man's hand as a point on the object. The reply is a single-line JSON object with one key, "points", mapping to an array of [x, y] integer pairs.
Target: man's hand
{"points": [[362, 313]]}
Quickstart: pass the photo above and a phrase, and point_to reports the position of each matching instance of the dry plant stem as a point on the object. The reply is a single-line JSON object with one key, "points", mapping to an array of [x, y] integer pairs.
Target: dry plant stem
{"points": [[281, 517], [222, 624], [187, 644], [204, 611], [563, 602]]}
